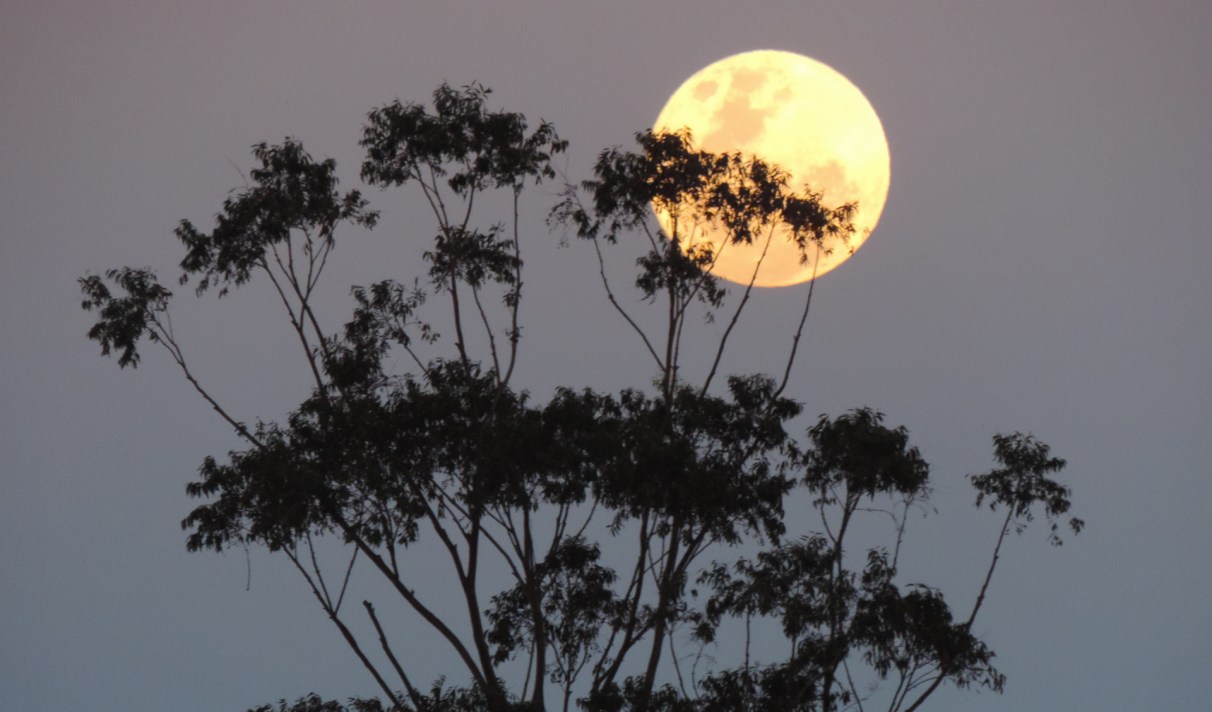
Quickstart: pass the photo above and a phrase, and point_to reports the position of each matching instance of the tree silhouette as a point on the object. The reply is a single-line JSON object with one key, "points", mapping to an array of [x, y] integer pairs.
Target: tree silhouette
{"points": [[619, 518]]}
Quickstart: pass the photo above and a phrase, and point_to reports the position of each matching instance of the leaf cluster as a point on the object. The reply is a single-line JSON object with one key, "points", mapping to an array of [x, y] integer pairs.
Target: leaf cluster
{"points": [[1023, 481], [461, 140], [742, 198], [123, 320], [290, 193]]}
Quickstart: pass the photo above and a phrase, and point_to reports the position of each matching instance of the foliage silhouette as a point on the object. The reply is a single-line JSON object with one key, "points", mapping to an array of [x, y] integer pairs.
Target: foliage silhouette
{"points": [[619, 518]]}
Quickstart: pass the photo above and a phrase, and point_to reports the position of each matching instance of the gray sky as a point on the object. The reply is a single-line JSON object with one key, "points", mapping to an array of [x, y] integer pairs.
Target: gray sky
{"points": [[1041, 265]]}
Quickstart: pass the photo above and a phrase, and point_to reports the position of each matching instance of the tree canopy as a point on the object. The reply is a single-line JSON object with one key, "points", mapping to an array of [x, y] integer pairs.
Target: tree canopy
{"points": [[635, 529]]}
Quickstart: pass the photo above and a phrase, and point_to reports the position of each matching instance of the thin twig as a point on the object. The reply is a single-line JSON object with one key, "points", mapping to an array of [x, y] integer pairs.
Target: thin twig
{"points": [[416, 697], [615, 303], [799, 330], [345, 632], [719, 353]]}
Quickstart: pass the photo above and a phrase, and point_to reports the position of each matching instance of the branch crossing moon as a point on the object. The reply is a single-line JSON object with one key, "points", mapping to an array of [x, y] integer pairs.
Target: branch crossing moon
{"points": [[802, 116]]}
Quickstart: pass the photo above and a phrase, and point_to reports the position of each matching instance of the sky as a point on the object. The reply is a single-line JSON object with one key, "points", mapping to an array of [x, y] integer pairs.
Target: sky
{"points": [[1041, 265]]}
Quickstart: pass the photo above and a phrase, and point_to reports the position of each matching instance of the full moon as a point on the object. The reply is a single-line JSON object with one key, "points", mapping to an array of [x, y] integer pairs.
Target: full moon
{"points": [[807, 119]]}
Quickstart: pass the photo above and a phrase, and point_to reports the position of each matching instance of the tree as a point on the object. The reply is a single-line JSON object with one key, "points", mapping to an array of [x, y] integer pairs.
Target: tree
{"points": [[621, 518]]}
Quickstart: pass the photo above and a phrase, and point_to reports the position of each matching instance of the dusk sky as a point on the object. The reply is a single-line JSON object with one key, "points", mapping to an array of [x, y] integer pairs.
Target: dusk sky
{"points": [[1041, 265]]}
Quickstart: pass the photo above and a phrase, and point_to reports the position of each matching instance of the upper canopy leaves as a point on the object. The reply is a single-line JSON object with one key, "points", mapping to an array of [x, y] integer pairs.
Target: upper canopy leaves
{"points": [[1023, 481], [123, 320], [290, 192], [741, 198], [462, 139]]}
